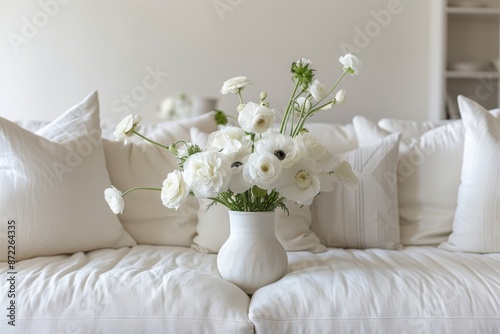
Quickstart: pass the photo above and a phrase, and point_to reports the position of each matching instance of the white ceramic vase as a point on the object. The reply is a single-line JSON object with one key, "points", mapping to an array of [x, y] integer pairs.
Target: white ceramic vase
{"points": [[252, 256]]}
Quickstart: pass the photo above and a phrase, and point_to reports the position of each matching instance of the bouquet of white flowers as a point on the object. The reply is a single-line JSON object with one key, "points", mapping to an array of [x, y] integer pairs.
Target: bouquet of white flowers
{"points": [[255, 166]]}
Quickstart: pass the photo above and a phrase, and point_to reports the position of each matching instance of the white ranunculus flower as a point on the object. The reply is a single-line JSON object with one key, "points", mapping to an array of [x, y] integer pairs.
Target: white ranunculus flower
{"points": [[207, 173], [263, 170], [126, 127], [318, 90], [313, 152], [301, 185], [174, 190], [182, 150], [234, 85], [302, 104], [229, 140], [256, 118], [340, 97], [282, 147], [115, 200], [351, 63]]}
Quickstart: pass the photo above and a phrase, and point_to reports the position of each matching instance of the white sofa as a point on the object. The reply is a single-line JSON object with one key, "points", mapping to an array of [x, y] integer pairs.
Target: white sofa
{"points": [[389, 257]]}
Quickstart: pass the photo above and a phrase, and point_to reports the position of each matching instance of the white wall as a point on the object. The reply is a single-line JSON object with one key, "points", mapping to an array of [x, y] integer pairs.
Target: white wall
{"points": [[112, 45]]}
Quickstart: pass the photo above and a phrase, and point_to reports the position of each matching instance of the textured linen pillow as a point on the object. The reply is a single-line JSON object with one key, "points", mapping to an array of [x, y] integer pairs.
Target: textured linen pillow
{"points": [[292, 230], [428, 175], [366, 216], [141, 164], [476, 227], [52, 186]]}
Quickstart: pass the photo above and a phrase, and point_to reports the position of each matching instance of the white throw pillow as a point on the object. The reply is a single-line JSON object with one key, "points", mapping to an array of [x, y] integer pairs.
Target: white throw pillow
{"points": [[476, 227], [366, 216], [428, 175], [142, 164], [52, 185]]}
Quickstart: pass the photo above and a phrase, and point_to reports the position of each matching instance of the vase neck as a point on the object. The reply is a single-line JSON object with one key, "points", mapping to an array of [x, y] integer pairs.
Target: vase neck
{"points": [[260, 223]]}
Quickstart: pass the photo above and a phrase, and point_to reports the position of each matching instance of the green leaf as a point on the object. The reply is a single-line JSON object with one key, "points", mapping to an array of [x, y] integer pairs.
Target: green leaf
{"points": [[220, 117], [258, 192]]}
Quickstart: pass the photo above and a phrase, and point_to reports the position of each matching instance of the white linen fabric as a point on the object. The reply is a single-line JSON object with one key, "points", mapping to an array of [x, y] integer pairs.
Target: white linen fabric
{"points": [[476, 227], [366, 216], [414, 290], [52, 184], [143, 289], [142, 164]]}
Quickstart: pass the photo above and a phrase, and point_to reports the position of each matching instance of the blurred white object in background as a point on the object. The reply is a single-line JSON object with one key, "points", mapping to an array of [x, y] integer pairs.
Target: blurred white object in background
{"points": [[181, 106]]}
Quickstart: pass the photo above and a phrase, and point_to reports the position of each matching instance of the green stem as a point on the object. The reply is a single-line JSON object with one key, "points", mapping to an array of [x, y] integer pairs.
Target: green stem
{"points": [[139, 188], [287, 110], [239, 95], [151, 141], [334, 86]]}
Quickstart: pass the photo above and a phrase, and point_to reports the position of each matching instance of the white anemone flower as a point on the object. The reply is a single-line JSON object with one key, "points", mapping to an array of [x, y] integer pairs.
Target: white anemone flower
{"points": [[283, 147], [238, 184], [234, 85], [256, 118], [340, 173], [114, 197], [263, 170], [126, 127], [174, 190], [300, 184], [207, 173]]}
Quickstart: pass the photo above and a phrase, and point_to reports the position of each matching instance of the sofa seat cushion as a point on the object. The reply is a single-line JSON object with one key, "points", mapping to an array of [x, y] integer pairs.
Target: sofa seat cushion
{"points": [[143, 289], [414, 290]]}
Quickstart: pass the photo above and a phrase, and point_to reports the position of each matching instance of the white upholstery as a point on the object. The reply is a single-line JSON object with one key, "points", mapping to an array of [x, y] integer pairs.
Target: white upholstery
{"points": [[163, 286], [144, 289], [414, 290]]}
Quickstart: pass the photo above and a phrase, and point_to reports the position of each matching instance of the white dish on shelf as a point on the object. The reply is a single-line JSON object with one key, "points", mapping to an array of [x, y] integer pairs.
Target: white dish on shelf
{"points": [[469, 66]]}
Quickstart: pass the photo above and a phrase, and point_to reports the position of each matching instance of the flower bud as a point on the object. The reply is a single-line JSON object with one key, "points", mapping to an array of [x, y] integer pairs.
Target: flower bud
{"points": [[263, 96], [340, 97]]}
